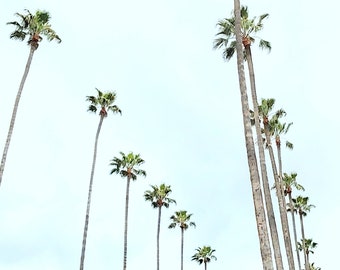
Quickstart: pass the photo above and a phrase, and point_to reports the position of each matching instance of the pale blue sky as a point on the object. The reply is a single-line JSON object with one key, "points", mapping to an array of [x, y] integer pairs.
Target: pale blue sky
{"points": [[181, 112]]}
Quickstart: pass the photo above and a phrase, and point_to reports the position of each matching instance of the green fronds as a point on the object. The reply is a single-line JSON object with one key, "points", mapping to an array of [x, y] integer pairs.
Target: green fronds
{"points": [[128, 165], [204, 255], [34, 26], [104, 102], [159, 196], [265, 45], [226, 38], [182, 219]]}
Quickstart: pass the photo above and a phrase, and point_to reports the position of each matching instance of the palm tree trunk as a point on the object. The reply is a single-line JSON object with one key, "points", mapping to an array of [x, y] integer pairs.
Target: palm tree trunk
{"points": [[294, 229], [281, 202], [87, 216], [14, 113], [265, 182], [252, 162], [205, 265], [303, 243], [182, 245], [126, 221], [158, 233]]}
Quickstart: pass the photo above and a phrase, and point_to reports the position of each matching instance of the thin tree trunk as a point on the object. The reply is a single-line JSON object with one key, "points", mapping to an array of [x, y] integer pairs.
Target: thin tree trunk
{"points": [[260, 216], [158, 233], [14, 112], [303, 243], [126, 221], [182, 245], [281, 202], [294, 229], [205, 265], [87, 216], [265, 182]]}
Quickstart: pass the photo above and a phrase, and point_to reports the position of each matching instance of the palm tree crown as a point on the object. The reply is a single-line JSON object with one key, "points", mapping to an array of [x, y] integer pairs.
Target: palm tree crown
{"points": [[104, 101], [204, 255], [33, 26], [182, 219], [158, 196], [301, 205], [128, 165], [227, 37]]}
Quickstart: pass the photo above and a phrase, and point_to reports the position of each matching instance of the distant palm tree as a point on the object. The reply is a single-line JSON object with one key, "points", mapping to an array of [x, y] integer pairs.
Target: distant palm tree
{"points": [[261, 223], [301, 207], [127, 166], [182, 219], [204, 255], [158, 197], [104, 103], [33, 27], [308, 245], [289, 181]]}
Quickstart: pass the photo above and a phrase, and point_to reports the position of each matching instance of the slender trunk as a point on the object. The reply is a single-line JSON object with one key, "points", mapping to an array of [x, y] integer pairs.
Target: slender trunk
{"points": [[294, 229], [205, 265], [182, 245], [260, 216], [126, 221], [87, 216], [281, 202], [158, 233], [303, 242], [14, 112], [265, 182]]}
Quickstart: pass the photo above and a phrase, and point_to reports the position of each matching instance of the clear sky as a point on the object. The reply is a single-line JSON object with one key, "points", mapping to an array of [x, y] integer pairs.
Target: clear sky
{"points": [[181, 112]]}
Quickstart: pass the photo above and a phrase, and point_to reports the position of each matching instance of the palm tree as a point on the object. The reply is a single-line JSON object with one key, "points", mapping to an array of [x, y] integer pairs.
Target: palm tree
{"points": [[261, 222], [308, 246], [301, 206], [182, 219], [158, 197], [104, 102], [34, 27], [289, 181], [204, 255], [127, 166], [265, 108]]}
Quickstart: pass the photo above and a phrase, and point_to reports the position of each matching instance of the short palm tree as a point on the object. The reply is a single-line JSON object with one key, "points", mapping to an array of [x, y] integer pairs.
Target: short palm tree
{"points": [[159, 197], [128, 167], [181, 219], [104, 103], [289, 181], [301, 206], [204, 255], [33, 27], [234, 31]]}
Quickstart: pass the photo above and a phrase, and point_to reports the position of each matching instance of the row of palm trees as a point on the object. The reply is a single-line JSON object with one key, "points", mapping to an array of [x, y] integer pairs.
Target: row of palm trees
{"points": [[237, 34], [34, 27]]}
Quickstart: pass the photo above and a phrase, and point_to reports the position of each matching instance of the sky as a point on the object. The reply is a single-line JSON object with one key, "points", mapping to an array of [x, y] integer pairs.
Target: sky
{"points": [[181, 112]]}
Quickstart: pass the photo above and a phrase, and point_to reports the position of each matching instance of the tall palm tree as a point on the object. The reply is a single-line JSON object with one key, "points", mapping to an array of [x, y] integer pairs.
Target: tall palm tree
{"points": [[259, 208], [308, 245], [182, 220], [265, 108], [204, 255], [34, 27], [301, 207], [127, 166], [289, 181], [159, 197], [104, 103]]}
